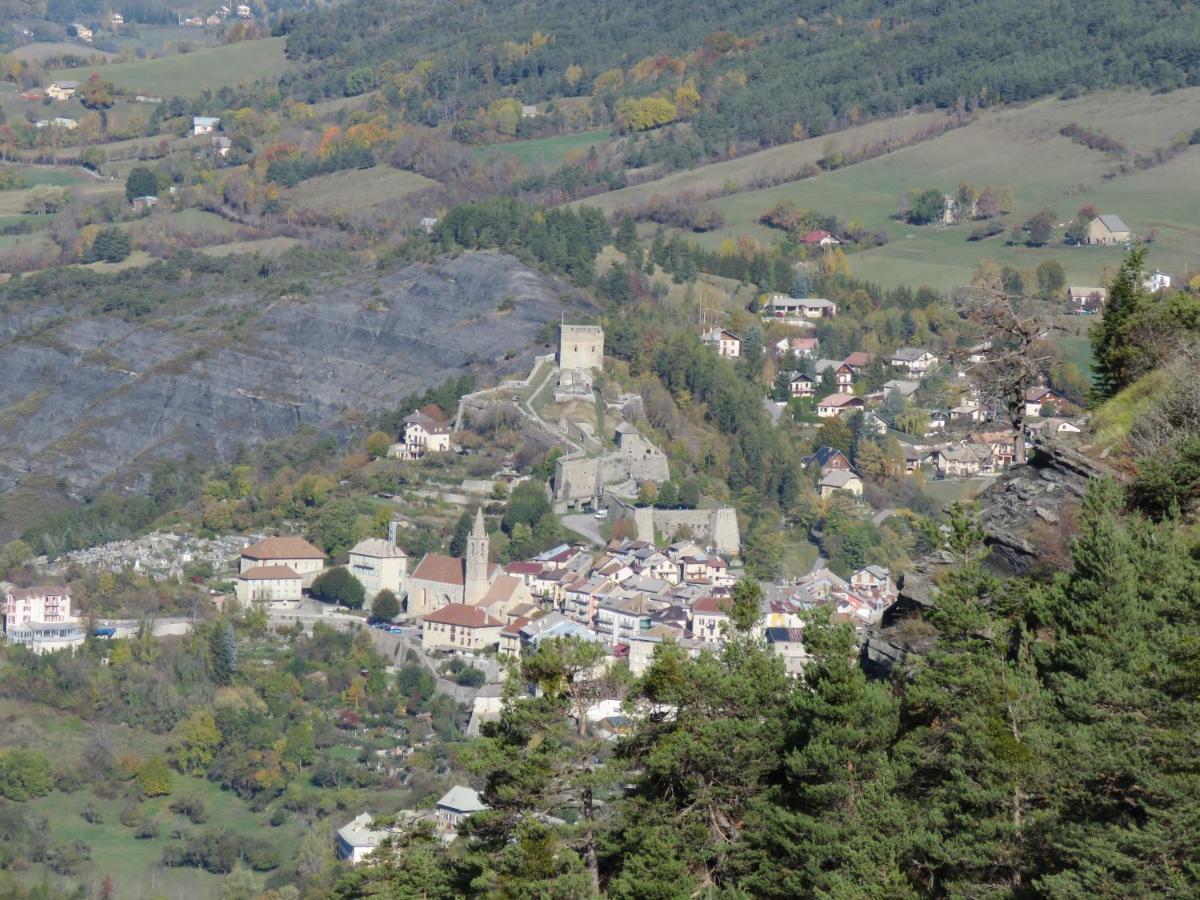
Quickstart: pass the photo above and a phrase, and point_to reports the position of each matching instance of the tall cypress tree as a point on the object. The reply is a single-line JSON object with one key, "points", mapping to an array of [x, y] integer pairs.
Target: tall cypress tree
{"points": [[1119, 359]]}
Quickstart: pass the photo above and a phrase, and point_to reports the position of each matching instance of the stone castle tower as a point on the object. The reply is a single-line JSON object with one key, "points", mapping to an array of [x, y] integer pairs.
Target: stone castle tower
{"points": [[476, 584]]}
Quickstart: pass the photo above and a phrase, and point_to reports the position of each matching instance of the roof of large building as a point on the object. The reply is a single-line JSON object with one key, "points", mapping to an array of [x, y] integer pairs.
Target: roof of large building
{"points": [[41, 590], [838, 478], [378, 548], [463, 615], [822, 455], [910, 354], [269, 573], [462, 799], [440, 568], [785, 635], [358, 832], [1112, 223], [282, 547], [858, 359], [712, 606], [501, 589], [427, 422], [839, 400]]}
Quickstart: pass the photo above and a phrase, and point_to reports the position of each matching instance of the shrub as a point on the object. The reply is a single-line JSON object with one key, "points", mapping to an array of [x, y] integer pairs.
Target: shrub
{"points": [[338, 586]]}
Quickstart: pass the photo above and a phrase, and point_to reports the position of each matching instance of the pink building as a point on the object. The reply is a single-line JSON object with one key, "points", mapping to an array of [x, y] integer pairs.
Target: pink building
{"points": [[45, 604]]}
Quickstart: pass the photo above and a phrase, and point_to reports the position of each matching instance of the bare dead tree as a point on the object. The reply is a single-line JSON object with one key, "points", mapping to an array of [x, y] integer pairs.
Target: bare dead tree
{"points": [[1013, 345]]}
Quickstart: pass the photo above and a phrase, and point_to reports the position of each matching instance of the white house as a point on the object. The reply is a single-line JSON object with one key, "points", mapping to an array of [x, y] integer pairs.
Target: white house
{"points": [[1037, 397], [839, 404], [726, 343], [62, 90], [801, 346], [1086, 299], [784, 307], [425, 431], [379, 565], [356, 840], [204, 124], [456, 804], [874, 581], [295, 553], [528, 111], [915, 360], [709, 615], [1159, 281], [458, 626], [839, 480], [800, 386], [268, 584]]}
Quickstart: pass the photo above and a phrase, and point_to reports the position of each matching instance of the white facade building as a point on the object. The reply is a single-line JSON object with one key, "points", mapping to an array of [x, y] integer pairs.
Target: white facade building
{"points": [[379, 565]]}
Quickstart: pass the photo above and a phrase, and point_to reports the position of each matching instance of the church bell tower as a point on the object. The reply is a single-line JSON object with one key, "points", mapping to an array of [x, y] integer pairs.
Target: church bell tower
{"points": [[476, 585]]}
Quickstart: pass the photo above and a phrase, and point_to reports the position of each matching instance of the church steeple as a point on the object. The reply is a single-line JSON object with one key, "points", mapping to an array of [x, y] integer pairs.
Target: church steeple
{"points": [[477, 567]]}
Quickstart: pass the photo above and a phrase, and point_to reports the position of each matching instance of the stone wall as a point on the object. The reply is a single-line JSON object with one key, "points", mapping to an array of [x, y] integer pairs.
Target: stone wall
{"points": [[581, 347], [716, 527]]}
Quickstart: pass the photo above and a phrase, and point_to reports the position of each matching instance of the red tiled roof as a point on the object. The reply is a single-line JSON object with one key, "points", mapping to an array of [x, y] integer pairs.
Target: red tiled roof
{"points": [[501, 589], [463, 616], [442, 569], [815, 237], [268, 573], [515, 626], [711, 605], [858, 359], [524, 568], [288, 547], [839, 400]]}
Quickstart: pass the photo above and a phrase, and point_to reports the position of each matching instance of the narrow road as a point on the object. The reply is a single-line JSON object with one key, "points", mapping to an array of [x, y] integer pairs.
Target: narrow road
{"points": [[587, 525], [533, 414]]}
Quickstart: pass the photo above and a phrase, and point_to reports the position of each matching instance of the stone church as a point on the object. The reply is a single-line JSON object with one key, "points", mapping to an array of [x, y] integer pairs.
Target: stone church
{"points": [[440, 580]]}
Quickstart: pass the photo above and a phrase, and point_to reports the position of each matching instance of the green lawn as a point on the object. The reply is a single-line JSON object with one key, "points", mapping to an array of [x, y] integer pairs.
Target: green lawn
{"points": [[189, 74], [549, 151]]}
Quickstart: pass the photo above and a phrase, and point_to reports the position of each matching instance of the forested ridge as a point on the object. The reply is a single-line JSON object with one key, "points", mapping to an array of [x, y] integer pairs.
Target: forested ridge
{"points": [[761, 69]]}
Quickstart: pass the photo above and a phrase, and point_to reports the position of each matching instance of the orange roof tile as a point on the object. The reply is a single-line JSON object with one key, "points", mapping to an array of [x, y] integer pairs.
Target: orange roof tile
{"points": [[440, 568], [463, 616], [283, 547]]}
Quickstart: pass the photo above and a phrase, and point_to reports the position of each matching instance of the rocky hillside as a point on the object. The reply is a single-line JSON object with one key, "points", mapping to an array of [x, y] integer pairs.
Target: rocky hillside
{"points": [[89, 398], [1024, 517]]}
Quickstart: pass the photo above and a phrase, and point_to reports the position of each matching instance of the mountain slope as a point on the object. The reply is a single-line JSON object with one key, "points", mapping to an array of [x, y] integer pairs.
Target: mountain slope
{"points": [[90, 398], [761, 67]]}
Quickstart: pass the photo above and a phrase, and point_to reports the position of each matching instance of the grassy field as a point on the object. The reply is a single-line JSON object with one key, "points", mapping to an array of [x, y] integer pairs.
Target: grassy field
{"points": [[776, 162], [41, 50], [272, 246], [342, 193], [187, 75], [1020, 148], [547, 151]]}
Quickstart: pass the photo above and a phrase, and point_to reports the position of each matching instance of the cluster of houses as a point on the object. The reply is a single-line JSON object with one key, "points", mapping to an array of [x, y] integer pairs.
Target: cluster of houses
{"points": [[279, 569], [358, 839], [217, 16]]}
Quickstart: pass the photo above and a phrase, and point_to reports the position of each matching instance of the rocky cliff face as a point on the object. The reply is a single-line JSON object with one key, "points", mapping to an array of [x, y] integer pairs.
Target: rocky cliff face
{"points": [[1020, 506], [91, 399]]}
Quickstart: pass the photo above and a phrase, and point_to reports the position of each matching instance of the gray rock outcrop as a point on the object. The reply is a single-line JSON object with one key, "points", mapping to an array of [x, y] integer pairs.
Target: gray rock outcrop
{"points": [[92, 399]]}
